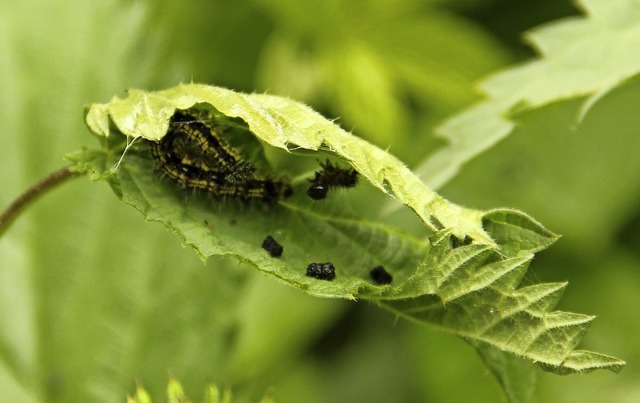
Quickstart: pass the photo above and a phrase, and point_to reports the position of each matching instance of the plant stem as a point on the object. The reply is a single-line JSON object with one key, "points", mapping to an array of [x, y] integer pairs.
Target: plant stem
{"points": [[32, 194]]}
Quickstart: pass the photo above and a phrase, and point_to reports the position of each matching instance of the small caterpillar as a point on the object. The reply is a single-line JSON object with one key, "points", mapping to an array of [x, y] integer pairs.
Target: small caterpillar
{"points": [[331, 176]]}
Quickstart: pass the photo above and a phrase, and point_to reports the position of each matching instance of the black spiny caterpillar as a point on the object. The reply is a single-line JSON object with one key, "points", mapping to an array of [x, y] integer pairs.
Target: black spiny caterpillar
{"points": [[331, 176]]}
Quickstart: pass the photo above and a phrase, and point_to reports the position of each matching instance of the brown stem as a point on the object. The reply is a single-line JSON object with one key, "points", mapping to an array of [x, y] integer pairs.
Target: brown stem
{"points": [[32, 194]]}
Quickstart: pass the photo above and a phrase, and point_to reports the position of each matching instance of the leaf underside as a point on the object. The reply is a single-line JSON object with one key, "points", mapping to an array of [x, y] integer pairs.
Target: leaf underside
{"points": [[461, 275]]}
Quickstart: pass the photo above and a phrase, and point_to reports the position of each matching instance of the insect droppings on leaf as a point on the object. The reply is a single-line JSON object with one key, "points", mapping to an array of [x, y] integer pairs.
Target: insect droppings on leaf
{"points": [[321, 271], [381, 276], [272, 246]]}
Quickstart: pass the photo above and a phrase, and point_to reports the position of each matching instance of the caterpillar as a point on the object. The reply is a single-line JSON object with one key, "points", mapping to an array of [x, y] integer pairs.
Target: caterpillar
{"points": [[331, 176], [196, 156]]}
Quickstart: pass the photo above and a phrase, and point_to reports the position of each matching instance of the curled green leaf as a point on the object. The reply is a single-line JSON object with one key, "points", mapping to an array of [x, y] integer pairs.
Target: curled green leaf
{"points": [[291, 126]]}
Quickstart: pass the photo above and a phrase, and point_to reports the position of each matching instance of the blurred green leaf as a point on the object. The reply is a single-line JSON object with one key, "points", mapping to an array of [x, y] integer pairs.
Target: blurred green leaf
{"points": [[176, 394], [141, 396], [615, 330], [367, 61], [579, 57], [516, 376]]}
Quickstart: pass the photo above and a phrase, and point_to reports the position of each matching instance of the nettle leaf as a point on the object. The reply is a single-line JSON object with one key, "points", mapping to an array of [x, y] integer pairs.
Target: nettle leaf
{"points": [[461, 275]]}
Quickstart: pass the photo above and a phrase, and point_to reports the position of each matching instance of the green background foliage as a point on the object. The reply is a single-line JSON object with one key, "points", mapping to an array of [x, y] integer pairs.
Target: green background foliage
{"points": [[92, 298]]}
